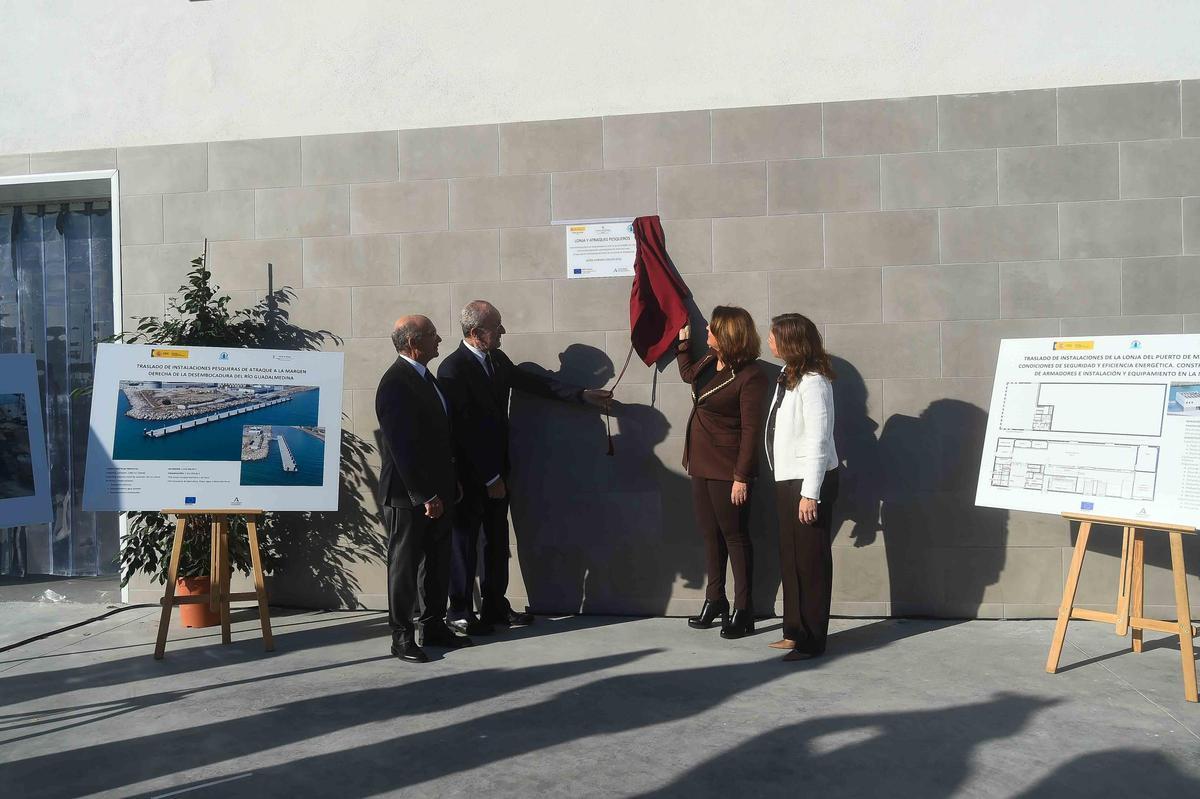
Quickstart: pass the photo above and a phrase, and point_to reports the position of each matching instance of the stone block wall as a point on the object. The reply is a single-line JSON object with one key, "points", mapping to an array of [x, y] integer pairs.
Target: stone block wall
{"points": [[917, 232]]}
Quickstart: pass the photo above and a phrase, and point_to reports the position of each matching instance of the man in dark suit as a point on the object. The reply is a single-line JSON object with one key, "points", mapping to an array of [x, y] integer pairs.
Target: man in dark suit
{"points": [[478, 378], [418, 487]]}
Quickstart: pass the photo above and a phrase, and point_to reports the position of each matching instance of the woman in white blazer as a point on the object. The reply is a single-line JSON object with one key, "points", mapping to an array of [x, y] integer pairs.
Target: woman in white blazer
{"points": [[801, 453]]}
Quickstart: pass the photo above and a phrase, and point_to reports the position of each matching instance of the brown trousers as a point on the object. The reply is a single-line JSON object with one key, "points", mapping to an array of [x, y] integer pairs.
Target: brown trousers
{"points": [[806, 563], [726, 530]]}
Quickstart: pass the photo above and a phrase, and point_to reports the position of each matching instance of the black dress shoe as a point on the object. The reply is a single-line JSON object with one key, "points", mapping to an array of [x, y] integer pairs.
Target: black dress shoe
{"points": [[442, 636], [508, 618], [709, 613], [470, 626], [741, 623], [802, 654], [408, 650]]}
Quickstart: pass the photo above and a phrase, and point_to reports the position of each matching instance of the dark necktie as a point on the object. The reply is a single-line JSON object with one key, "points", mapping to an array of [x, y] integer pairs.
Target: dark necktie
{"points": [[429, 378], [487, 364], [775, 403]]}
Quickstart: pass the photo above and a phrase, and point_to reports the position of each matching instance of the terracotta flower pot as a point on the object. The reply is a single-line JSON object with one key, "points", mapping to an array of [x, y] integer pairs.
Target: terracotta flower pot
{"points": [[197, 615]]}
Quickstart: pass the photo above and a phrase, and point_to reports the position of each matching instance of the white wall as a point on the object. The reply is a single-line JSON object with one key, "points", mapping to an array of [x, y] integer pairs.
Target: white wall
{"points": [[82, 73]]}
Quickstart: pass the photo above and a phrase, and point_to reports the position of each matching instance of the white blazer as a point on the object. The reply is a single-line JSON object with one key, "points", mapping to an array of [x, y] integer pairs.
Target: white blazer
{"points": [[803, 448]]}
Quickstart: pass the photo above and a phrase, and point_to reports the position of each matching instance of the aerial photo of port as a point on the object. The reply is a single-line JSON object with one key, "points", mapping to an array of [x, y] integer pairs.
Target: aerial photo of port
{"points": [[282, 455], [202, 421], [16, 466]]}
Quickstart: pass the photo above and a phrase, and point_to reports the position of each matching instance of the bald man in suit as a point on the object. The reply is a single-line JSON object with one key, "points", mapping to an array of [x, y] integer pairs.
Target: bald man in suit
{"points": [[418, 489]]}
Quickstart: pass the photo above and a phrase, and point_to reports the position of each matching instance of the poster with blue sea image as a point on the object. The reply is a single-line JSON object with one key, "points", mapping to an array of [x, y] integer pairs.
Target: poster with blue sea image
{"points": [[202, 421], [211, 428]]}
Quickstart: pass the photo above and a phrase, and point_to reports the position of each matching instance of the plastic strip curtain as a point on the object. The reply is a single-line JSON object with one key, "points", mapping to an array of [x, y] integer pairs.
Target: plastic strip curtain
{"points": [[56, 302]]}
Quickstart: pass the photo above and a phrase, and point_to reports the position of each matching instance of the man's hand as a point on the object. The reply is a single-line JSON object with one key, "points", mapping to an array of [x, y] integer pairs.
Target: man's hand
{"points": [[434, 508], [497, 490], [739, 493], [808, 510], [685, 332], [599, 397]]}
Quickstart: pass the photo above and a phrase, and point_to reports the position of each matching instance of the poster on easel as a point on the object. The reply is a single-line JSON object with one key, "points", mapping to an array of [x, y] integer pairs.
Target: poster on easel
{"points": [[24, 468], [212, 428], [1108, 425]]}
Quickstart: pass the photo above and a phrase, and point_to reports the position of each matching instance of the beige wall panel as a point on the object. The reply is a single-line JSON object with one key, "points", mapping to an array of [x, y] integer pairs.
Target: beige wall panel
{"points": [[405, 207], [456, 257], [352, 261], [460, 152]]}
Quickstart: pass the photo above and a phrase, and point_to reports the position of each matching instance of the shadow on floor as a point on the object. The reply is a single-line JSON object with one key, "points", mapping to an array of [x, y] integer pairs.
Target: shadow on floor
{"points": [[927, 753], [1116, 773], [371, 628]]}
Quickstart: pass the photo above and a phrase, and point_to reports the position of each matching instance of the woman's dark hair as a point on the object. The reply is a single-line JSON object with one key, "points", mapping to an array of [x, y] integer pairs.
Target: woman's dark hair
{"points": [[799, 344], [737, 340]]}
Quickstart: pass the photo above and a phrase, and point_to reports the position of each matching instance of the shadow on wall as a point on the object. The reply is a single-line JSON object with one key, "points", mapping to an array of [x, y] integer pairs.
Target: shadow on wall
{"points": [[764, 520], [856, 438], [312, 556], [617, 535], [943, 552], [915, 487], [595, 533], [1104, 553]]}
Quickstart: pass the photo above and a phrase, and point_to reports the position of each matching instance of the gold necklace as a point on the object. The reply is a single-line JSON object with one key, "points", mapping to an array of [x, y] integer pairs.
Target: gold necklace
{"points": [[697, 400]]}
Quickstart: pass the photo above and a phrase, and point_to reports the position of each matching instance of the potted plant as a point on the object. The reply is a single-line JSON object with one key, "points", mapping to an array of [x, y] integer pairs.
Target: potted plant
{"points": [[200, 316]]}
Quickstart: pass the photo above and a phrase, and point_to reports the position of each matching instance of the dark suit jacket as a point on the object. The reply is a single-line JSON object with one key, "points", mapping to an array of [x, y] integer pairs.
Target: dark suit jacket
{"points": [[418, 450], [481, 408], [725, 427]]}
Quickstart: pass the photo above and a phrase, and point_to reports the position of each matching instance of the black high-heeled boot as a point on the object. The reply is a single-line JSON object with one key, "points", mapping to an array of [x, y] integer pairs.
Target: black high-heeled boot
{"points": [[741, 623], [708, 614]]}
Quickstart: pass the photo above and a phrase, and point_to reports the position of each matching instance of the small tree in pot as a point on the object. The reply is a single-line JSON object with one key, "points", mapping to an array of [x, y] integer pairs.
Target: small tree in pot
{"points": [[201, 316]]}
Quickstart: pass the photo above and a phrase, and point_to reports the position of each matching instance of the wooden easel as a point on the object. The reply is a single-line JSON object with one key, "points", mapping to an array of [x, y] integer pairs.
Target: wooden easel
{"points": [[219, 595], [1130, 593]]}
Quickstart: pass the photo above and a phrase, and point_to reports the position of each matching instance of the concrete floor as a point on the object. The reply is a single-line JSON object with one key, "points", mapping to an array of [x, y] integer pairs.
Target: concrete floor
{"points": [[589, 707]]}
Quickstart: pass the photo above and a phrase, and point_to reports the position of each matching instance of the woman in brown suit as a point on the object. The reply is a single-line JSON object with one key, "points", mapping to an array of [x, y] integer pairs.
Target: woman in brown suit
{"points": [[724, 432]]}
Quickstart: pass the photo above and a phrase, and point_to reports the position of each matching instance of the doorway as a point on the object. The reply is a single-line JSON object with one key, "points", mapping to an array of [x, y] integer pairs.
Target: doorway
{"points": [[56, 302]]}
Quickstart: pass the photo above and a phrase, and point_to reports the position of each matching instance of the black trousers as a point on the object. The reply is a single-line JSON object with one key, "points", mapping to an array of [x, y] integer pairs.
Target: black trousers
{"points": [[806, 563], [479, 512], [726, 531], [418, 568]]}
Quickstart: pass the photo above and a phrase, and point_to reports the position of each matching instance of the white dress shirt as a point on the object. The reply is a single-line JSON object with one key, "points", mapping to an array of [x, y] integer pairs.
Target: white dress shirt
{"points": [[479, 354]]}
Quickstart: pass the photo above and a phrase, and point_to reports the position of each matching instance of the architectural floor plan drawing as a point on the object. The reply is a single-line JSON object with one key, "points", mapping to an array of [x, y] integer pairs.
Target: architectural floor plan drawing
{"points": [[1119, 471], [1108, 426], [1122, 409]]}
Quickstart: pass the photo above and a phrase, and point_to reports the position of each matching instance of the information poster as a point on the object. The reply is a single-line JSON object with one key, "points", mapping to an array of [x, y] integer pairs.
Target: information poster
{"points": [[1107, 426], [605, 249], [24, 469], [204, 427]]}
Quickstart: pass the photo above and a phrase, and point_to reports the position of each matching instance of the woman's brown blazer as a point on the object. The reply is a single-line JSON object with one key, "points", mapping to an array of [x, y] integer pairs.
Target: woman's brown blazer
{"points": [[725, 427]]}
